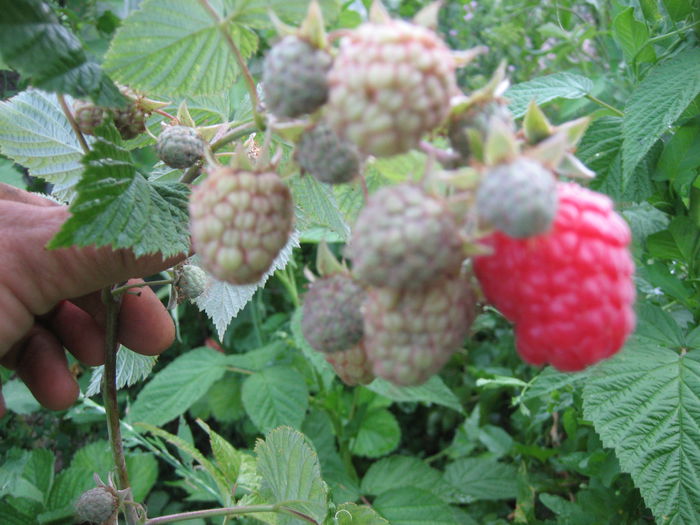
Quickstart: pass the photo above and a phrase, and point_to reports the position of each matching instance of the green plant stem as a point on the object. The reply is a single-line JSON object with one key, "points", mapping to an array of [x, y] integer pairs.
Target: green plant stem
{"points": [[605, 105], [289, 284], [236, 133], [121, 289], [73, 123], [250, 83], [255, 315], [109, 393], [229, 511]]}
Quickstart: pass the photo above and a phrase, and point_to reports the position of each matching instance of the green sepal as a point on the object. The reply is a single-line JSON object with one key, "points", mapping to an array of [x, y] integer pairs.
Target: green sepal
{"points": [[571, 166], [327, 263], [428, 16], [574, 130], [312, 28], [551, 151], [183, 115], [501, 143], [378, 13], [536, 126]]}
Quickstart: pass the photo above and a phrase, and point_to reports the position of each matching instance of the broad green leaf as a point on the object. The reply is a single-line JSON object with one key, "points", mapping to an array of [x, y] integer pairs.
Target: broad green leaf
{"points": [[131, 368], [678, 9], [404, 471], [645, 220], [545, 89], [645, 404], [659, 276], [476, 479], [496, 440], [177, 386], [176, 47], [226, 457], [184, 446], [550, 380], [379, 434], [12, 516], [10, 175], [680, 158], [632, 35], [432, 391], [39, 471], [317, 207], [35, 43], [18, 398], [116, 206], [35, 133], [659, 326], [316, 358], [656, 103], [600, 144], [68, 486], [413, 506], [291, 474], [276, 396], [143, 473], [223, 301], [319, 429], [353, 514]]}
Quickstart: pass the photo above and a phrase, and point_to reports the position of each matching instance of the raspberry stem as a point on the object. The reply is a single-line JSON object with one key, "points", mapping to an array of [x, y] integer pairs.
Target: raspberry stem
{"points": [[229, 511], [73, 123]]}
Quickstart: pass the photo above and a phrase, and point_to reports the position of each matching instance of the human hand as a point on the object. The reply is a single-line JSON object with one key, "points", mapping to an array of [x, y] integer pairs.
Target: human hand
{"points": [[50, 299]]}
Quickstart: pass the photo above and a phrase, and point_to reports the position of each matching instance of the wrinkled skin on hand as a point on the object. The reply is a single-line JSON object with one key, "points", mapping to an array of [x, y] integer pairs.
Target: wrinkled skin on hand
{"points": [[50, 300]]}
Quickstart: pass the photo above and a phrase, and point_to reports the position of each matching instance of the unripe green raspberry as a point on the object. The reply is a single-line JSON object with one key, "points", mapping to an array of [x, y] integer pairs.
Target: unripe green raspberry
{"points": [[323, 154], [88, 116], [240, 220], [331, 320], [180, 146], [390, 84], [192, 281], [405, 238], [130, 121], [518, 198], [294, 77], [411, 334], [97, 505]]}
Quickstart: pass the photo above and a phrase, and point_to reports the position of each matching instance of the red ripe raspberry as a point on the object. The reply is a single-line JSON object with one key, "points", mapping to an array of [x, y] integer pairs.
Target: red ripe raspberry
{"points": [[568, 291]]}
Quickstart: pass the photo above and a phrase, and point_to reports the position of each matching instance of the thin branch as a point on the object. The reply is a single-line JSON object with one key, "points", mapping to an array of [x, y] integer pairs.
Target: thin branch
{"points": [[228, 511], [73, 124], [252, 91], [109, 393], [236, 133]]}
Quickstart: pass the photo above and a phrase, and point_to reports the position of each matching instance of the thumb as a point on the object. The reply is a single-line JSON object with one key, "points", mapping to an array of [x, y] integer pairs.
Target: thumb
{"points": [[42, 277]]}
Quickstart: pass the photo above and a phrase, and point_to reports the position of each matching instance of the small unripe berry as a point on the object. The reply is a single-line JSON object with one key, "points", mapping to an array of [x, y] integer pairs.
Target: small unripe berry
{"points": [[180, 146], [97, 505]]}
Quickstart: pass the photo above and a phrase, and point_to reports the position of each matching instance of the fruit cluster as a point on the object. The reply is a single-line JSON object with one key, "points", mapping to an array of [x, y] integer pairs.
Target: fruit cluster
{"points": [[550, 255]]}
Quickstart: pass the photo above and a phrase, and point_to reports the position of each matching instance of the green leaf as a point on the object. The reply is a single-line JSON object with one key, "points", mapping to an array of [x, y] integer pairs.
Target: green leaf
{"points": [[143, 473], [379, 433], [413, 506], [184, 446], [226, 457], [11, 175], [291, 474], [317, 207], [35, 133], [678, 9], [176, 47], [658, 326], [550, 380], [545, 89], [39, 471], [403, 471], [632, 35], [680, 158], [12, 516], [118, 207], [275, 396], [600, 144], [656, 103], [222, 301], [353, 514], [644, 220], [177, 386], [432, 391], [35, 43], [18, 398], [476, 479], [645, 403], [131, 368]]}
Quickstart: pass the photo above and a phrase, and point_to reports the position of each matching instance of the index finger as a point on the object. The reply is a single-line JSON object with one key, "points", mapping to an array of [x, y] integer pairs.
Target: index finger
{"points": [[10, 193]]}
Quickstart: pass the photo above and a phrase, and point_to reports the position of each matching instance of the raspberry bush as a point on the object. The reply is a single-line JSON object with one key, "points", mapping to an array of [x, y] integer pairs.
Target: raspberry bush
{"points": [[391, 220]]}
